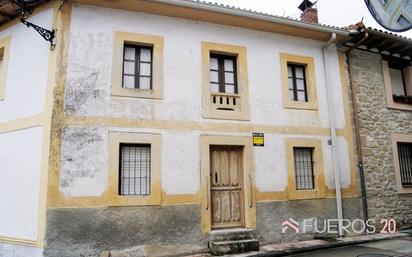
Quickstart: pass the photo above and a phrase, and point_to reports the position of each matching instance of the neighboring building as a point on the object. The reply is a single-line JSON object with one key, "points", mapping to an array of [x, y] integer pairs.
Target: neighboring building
{"points": [[382, 81], [394, 14], [136, 130]]}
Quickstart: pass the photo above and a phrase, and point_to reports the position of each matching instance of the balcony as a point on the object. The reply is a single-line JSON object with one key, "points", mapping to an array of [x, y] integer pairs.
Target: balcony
{"points": [[227, 102]]}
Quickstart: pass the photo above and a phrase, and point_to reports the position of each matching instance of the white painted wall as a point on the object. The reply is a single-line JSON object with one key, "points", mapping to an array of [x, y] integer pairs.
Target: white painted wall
{"points": [[20, 166], [27, 70], [88, 94], [90, 66]]}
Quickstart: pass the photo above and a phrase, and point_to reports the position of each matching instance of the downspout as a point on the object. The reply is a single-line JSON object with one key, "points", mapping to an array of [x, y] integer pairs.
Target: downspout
{"points": [[357, 132], [335, 158]]}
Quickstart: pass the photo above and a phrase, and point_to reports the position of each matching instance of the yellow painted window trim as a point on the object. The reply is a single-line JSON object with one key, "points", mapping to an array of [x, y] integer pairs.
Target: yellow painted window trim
{"points": [[399, 138], [309, 64], [249, 187], [120, 38], [115, 139], [242, 78], [388, 87], [320, 187], [4, 50]]}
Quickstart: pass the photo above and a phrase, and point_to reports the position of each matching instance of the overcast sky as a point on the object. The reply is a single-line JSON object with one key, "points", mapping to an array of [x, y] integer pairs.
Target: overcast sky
{"points": [[332, 12]]}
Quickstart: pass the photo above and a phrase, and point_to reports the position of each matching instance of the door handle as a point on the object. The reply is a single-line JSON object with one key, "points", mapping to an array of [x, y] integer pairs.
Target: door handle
{"points": [[207, 193], [251, 191]]}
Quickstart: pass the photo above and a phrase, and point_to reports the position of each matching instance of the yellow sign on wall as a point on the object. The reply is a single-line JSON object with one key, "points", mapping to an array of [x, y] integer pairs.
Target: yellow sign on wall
{"points": [[258, 139]]}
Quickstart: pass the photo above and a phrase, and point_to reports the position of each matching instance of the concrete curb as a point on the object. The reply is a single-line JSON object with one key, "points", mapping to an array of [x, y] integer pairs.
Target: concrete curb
{"points": [[335, 243]]}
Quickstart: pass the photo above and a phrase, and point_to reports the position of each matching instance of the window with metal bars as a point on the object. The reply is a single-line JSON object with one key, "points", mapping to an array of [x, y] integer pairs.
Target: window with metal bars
{"points": [[305, 179], [135, 172], [137, 67], [405, 163], [223, 74], [297, 83]]}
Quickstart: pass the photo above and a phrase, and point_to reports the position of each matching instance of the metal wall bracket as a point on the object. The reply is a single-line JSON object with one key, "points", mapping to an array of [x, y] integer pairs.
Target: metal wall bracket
{"points": [[48, 35]]}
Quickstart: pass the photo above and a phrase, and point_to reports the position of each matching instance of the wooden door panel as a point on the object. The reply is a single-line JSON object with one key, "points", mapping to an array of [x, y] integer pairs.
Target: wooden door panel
{"points": [[226, 187]]}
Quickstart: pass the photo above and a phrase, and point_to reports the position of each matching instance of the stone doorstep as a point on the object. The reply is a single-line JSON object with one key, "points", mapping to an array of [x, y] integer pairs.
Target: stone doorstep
{"points": [[231, 234], [232, 241], [235, 246]]}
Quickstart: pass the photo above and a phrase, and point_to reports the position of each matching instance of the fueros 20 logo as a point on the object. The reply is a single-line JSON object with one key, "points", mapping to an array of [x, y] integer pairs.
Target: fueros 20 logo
{"points": [[359, 226]]}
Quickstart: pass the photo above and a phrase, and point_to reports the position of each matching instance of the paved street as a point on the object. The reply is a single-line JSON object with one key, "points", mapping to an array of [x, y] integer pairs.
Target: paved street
{"points": [[395, 247]]}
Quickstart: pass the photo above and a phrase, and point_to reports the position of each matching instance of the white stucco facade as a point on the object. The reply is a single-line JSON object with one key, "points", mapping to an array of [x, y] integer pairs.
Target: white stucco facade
{"points": [[22, 137], [26, 83], [88, 94], [20, 153]]}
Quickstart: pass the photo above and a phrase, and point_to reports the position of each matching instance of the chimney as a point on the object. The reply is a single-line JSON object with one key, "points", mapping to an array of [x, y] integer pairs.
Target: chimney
{"points": [[309, 13]]}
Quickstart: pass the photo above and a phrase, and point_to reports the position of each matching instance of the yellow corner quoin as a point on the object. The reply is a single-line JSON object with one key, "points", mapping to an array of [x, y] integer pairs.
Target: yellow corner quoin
{"points": [[318, 170], [210, 111], [120, 38], [308, 62], [248, 177], [112, 196], [4, 56]]}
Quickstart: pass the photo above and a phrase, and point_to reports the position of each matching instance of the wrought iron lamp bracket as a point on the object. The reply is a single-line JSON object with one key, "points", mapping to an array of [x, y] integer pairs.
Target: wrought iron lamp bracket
{"points": [[48, 35]]}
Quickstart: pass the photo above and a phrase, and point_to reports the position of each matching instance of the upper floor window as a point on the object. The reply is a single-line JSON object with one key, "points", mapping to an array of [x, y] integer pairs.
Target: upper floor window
{"points": [[405, 163], [137, 67], [225, 93], [398, 81], [223, 77], [297, 83]]}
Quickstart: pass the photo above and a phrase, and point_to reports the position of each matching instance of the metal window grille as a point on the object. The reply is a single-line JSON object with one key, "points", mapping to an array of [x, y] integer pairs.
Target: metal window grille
{"points": [[405, 163], [135, 171], [297, 83], [223, 74], [304, 168], [137, 67]]}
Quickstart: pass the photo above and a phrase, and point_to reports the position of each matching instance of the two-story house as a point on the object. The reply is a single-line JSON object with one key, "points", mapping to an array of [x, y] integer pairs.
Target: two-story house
{"points": [[173, 124]]}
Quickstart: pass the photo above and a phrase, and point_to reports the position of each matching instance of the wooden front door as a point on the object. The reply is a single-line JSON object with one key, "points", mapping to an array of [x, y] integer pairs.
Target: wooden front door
{"points": [[226, 180]]}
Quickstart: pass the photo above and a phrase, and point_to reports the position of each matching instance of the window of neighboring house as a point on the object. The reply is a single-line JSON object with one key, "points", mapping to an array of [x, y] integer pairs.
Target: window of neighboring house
{"points": [[303, 157], [223, 77], [398, 81], [135, 173], [137, 67], [399, 75], [405, 163], [297, 83]]}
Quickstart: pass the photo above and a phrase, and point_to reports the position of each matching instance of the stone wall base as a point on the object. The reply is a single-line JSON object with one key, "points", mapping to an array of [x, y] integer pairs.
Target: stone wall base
{"points": [[163, 230]]}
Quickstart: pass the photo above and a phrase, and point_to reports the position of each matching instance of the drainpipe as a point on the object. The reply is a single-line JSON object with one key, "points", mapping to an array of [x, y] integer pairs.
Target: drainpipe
{"points": [[335, 158], [357, 132]]}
